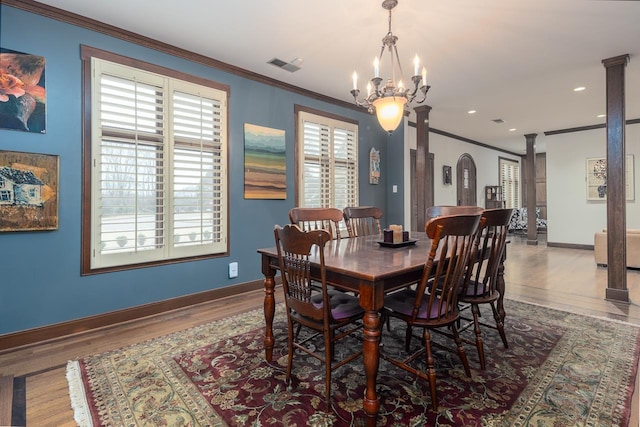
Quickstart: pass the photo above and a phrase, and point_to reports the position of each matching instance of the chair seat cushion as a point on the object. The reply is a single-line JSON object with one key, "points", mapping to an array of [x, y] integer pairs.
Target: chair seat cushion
{"points": [[402, 303], [473, 290], [343, 305]]}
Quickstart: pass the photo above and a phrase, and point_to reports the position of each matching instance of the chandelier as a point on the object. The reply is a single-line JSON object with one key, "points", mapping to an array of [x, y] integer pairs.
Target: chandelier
{"points": [[390, 101]]}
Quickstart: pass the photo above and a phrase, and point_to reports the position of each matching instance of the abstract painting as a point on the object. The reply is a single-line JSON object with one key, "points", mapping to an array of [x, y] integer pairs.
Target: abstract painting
{"points": [[28, 191], [22, 92], [265, 172]]}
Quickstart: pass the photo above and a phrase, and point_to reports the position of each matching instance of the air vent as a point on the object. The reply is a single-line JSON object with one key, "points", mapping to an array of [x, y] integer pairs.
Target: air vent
{"points": [[289, 66], [498, 121]]}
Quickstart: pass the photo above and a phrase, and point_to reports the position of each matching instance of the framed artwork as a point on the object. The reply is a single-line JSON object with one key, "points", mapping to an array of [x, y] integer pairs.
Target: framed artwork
{"points": [[446, 174], [22, 92], [28, 191], [597, 178], [265, 165], [374, 166]]}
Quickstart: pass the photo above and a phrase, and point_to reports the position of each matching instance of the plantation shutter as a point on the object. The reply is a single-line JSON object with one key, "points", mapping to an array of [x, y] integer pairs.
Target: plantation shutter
{"points": [[329, 162], [197, 170], [345, 168], [131, 164], [316, 179], [510, 182]]}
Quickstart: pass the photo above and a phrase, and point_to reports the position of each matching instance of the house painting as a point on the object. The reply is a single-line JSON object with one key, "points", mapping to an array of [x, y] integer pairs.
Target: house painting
{"points": [[18, 187]]}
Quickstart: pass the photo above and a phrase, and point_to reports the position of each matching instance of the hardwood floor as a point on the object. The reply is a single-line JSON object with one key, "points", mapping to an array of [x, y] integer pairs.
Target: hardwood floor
{"points": [[566, 279]]}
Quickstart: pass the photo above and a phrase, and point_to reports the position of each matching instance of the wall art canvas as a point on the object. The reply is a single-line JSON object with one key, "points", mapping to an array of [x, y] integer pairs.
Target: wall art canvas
{"points": [[28, 191], [446, 174], [22, 92], [374, 166], [597, 178], [265, 166]]}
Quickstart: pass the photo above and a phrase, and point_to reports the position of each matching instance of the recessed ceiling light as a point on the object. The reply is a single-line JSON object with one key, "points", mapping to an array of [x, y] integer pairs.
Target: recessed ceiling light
{"points": [[471, 111], [579, 89], [513, 130], [601, 116]]}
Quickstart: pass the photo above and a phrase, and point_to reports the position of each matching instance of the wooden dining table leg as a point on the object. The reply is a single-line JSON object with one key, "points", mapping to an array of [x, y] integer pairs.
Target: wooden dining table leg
{"points": [[269, 306], [371, 355]]}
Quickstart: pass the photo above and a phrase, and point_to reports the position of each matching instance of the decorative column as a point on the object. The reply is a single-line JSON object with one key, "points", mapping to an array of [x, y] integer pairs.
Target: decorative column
{"points": [[616, 191], [530, 173], [422, 163]]}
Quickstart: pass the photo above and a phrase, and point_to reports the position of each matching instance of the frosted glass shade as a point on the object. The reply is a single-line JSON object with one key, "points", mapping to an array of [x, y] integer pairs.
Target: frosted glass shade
{"points": [[390, 110]]}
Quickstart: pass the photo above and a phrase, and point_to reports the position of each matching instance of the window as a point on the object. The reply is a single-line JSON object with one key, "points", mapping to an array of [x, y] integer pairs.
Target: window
{"points": [[510, 182], [158, 168], [327, 160]]}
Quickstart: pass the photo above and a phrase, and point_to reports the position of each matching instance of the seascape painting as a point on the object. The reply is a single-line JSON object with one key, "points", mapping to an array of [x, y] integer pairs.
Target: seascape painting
{"points": [[22, 92], [265, 173], [28, 191]]}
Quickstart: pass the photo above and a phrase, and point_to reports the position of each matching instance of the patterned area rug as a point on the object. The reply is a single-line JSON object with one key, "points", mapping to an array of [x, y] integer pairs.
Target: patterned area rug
{"points": [[561, 369]]}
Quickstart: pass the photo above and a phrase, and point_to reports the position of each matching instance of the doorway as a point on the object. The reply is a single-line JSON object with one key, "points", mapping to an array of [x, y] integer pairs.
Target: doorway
{"points": [[466, 181]]}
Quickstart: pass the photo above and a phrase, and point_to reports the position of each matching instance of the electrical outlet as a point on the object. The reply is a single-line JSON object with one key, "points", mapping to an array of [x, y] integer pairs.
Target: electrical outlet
{"points": [[233, 270]]}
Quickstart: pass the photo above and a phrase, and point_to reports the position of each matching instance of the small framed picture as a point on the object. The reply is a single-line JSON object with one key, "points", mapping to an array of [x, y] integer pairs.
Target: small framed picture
{"points": [[28, 191], [446, 174]]}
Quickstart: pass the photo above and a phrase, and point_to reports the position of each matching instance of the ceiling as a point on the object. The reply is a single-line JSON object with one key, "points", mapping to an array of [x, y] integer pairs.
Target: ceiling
{"points": [[518, 61]]}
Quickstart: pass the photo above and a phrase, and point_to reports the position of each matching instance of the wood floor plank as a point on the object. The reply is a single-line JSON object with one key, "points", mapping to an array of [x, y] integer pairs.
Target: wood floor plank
{"points": [[48, 402], [6, 399]]}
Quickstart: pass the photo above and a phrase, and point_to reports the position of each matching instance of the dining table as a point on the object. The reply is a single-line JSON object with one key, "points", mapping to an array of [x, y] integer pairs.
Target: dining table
{"points": [[370, 268]]}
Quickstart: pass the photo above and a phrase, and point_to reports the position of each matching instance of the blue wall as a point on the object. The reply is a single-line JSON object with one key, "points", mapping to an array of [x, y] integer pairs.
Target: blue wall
{"points": [[41, 282]]}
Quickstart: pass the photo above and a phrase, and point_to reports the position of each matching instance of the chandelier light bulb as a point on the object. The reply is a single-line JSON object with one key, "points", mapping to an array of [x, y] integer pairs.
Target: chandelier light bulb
{"points": [[390, 111]]}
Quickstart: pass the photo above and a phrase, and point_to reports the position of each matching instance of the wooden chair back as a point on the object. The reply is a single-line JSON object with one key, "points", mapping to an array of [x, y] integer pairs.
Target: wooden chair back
{"points": [[482, 273], [436, 211], [452, 240], [294, 248], [362, 220], [317, 219]]}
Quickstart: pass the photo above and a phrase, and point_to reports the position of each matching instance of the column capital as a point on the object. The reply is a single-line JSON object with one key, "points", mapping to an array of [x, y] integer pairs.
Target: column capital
{"points": [[616, 60], [423, 109]]}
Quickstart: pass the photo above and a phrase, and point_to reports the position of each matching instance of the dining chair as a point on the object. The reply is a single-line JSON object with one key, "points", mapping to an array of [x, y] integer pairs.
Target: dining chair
{"points": [[481, 277], [318, 219], [433, 305], [362, 220], [333, 316], [443, 210]]}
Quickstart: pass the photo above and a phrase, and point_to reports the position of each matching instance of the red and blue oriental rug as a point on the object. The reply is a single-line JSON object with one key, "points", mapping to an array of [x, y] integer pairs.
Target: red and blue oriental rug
{"points": [[561, 369]]}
